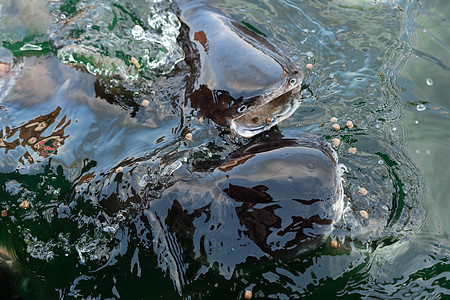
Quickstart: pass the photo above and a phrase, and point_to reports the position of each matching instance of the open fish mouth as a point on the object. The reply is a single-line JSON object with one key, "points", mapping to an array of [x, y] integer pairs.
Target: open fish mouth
{"points": [[269, 114]]}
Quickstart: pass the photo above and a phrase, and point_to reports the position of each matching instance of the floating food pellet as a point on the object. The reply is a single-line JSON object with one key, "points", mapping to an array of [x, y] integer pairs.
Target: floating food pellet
{"points": [[336, 142], [119, 170], [201, 119], [333, 120], [135, 62], [349, 124], [189, 136], [334, 244], [145, 103], [268, 120], [364, 214], [352, 150], [248, 294], [4, 213], [32, 140], [362, 191], [309, 66], [24, 205], [336, 127], [429, 81]]}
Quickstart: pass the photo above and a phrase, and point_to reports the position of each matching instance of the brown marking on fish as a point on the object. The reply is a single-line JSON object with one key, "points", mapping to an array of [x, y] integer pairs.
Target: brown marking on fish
{"points": [[201, 37]]}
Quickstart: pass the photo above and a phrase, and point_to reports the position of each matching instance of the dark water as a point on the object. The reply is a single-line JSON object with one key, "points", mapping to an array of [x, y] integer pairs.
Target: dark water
{"points": [[71, 114]]}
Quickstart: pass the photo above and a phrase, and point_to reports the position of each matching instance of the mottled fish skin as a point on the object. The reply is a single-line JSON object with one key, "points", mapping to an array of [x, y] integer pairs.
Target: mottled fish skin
{"points": [[283, 194], [234, 70]]}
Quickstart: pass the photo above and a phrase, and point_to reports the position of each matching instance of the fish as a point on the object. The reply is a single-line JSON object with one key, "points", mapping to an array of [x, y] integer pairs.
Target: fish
{"points": [[279, 197], [239, 79]]}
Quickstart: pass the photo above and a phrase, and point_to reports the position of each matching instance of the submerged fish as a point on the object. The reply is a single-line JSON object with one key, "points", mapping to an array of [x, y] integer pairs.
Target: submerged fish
{"points": [[276, 198], [242, 80]]}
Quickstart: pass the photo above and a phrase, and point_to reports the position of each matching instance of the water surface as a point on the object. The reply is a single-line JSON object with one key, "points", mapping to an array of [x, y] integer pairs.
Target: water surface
{"points": [[71, 114]]}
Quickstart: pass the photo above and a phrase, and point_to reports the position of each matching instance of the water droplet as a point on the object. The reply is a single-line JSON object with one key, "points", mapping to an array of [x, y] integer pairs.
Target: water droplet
{"points": [[428, 152], [429, 81], [420, 107], [417, 122]]}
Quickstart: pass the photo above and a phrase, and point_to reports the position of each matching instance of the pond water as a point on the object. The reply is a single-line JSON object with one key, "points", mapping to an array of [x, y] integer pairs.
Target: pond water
{"points": [[85, 165]]}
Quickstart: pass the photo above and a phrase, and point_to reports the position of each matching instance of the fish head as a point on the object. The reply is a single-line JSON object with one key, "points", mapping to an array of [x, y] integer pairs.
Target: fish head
{"points": [[265, 111], [240, 80]]}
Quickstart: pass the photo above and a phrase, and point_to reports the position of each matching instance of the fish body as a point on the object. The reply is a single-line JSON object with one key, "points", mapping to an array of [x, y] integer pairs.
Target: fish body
{"points": [[278, 197]]}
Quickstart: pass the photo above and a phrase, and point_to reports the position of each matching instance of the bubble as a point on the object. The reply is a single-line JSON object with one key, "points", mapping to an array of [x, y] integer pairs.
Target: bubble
{"points": [[420, 107], [429, 81]]}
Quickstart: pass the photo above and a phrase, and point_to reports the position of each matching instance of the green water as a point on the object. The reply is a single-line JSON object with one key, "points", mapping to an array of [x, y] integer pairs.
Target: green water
{"points": [[88, 231]]}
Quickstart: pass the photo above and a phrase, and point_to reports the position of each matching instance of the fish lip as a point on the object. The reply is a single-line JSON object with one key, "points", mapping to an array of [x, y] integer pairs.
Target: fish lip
{"points": [[249, 132]]}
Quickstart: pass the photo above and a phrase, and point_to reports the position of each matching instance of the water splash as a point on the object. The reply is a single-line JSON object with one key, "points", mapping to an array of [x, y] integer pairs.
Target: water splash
{"points": [[116, 38]]}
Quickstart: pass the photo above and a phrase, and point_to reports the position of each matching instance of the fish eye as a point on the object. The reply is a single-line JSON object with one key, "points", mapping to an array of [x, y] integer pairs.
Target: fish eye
{"points": [[293, 81], [242, 109]]}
